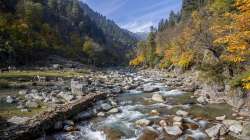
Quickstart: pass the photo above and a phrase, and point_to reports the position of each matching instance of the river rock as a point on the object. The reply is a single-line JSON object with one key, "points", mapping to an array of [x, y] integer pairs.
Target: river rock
{"points": [[22, 92], [203, 123], [229, 123], [113, 111], [157, 98], [68, 128], [173, 130], [182, 113], [142, 123], [106, 106], [148, 89], [221, 118], [179, 124], [177, 119], [163, 123], [10, 99], [84, 115], [214, 130], [112, 102], [202, 100], [236, 128], [66, 96], [101, 114], [18, 120], [32, 104], [24, 110], [154, 113], [149, 133], [78, 87]]}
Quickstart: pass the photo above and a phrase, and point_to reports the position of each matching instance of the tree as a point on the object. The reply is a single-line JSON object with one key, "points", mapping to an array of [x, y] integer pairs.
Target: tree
{"points": [[33, 13], [235, 35], [92, 50]]}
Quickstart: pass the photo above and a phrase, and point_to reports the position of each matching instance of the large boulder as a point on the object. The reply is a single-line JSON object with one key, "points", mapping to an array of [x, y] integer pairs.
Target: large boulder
{"points": [[233, 126], [202, 100], [214, 130], [236, 128], [78, 87], [210, 58], [157, 98]]}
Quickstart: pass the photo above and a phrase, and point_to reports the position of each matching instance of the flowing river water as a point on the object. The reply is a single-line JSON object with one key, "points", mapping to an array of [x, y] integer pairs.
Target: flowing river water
{"points": [[134, 105]]}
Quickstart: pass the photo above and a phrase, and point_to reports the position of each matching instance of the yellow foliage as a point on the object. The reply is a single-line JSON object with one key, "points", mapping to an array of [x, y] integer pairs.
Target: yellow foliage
{"points": [[137, 61], [236, 34], [246, 83], [185, 60]]}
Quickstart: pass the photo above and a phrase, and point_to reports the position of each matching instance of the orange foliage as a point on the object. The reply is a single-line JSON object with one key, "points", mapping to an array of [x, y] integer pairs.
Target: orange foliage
{"points": [[236, 35]]}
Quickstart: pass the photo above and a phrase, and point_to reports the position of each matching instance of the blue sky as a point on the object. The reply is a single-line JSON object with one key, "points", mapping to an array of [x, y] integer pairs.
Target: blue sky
{"points": [[135, 15]]}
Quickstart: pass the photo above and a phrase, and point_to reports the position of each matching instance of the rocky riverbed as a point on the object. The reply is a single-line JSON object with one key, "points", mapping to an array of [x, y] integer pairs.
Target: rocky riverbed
{"points": [[148, 105]]}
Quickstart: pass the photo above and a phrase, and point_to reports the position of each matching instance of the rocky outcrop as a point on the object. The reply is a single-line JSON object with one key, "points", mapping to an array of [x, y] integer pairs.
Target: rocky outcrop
{"points": [[46, 121]]}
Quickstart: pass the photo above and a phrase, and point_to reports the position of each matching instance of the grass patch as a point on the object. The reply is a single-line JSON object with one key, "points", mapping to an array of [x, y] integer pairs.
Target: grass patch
{"points": [[31, 74], [10, 110]]}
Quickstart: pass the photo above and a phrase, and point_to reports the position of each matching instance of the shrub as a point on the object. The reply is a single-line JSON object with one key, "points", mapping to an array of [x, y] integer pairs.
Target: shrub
{"points": [[137, 61], [185, 61], [241, 80]]}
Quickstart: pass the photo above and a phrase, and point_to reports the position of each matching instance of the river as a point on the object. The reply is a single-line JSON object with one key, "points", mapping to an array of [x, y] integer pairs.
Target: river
{"points": [[136, 115]]}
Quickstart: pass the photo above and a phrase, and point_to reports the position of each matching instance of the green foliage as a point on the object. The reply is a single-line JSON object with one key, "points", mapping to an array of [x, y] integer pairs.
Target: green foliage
{"points": [[221, 6], [33, 29], [237, 80]]}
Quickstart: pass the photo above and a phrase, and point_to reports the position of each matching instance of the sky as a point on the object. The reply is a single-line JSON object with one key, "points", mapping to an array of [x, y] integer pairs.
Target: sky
{"points": [[135, 15]]}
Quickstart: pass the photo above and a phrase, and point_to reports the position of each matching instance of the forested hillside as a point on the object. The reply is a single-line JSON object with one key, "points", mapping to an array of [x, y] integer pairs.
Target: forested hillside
{"points": [[31, 30], [212, 36]]}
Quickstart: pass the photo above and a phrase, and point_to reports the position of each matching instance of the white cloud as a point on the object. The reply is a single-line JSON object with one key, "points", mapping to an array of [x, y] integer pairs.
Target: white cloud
{"points": [[113, 6], [138, 26]]}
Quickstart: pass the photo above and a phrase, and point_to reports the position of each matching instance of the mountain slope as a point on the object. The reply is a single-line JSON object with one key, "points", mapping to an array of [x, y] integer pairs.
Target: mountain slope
{"points": [[109, 27], [33, 29]]}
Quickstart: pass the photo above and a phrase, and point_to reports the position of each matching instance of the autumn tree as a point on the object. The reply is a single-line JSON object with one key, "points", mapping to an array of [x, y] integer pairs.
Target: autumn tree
{"points": [[235, 35]]}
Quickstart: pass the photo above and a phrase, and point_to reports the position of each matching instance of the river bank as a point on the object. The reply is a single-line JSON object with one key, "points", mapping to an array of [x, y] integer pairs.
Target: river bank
{"points": [[149, 104]]}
